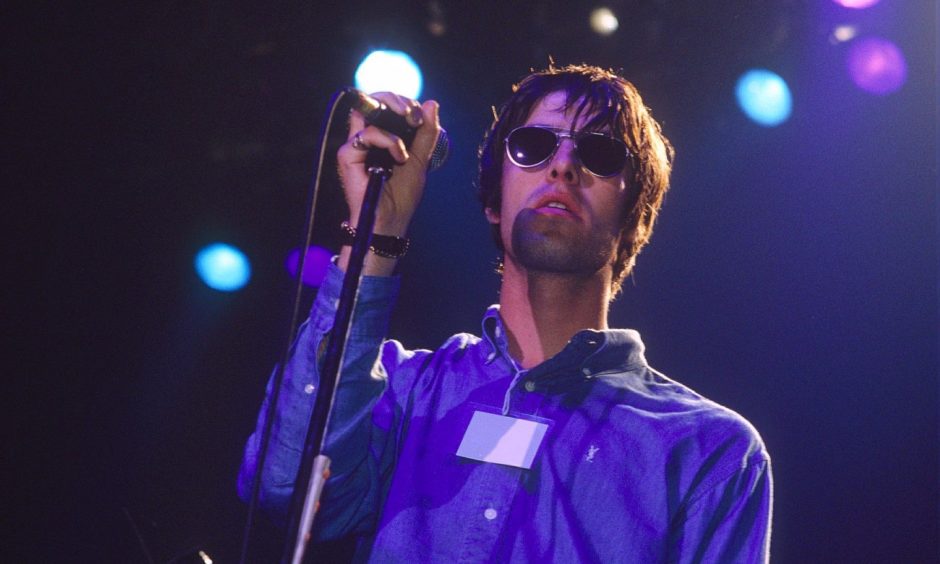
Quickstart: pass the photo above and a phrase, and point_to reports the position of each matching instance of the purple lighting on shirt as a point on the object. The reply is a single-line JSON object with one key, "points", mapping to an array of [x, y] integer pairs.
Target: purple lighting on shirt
{"points": [[315, 264], [877, 65]]}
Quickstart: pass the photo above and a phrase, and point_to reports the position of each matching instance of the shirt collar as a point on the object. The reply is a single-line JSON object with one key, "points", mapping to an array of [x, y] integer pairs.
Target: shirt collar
{"points": [[588, 354], [495, 335]]}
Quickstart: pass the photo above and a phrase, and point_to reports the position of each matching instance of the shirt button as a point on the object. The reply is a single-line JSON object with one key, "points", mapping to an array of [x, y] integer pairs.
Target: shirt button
{"points": [[529, 386], [490, 514], [586, 372], [309, 388]]}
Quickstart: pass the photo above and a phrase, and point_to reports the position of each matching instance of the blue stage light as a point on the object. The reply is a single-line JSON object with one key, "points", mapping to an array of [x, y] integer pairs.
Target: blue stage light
{"points": [[764, 97], [389, 71], [223, 267]]}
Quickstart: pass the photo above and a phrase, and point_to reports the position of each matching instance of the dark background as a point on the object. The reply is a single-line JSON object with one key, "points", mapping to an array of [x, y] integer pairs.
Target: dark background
{"points": [[792, 276]]}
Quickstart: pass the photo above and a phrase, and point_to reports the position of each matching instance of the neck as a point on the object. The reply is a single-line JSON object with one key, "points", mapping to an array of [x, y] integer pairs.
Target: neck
{"points": [[542, 311]]}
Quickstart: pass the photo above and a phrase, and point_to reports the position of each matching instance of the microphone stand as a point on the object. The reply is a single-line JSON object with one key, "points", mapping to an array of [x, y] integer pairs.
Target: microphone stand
{"points": [[314, 463]]}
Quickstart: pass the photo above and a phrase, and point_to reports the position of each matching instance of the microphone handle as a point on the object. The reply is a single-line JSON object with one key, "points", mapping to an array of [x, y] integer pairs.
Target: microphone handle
{"points": [[377, 113], [386, 119], [396, 124]]}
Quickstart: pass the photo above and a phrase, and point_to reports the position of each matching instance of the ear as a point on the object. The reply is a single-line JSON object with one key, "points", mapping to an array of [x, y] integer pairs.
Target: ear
{"points": [[491, 215]]}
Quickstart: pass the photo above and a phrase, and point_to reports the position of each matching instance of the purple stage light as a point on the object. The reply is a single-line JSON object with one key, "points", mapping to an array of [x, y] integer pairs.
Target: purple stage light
{"points": [[877, 65], [315, 264], [856, 3]]}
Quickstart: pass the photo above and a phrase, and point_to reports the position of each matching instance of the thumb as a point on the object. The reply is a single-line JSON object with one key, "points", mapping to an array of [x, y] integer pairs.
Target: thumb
{"points": [[426, 136]]}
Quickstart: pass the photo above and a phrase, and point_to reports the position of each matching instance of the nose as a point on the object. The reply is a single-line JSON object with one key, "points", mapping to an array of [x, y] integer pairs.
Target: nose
{"points": [[564, 164]]}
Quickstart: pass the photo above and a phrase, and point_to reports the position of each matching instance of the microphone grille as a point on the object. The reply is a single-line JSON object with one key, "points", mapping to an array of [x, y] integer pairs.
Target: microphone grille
{"points": [[441, 149]]}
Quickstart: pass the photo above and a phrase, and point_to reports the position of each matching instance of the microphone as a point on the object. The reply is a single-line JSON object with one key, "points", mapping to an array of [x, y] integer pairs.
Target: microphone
{"points": [[377, 113]]}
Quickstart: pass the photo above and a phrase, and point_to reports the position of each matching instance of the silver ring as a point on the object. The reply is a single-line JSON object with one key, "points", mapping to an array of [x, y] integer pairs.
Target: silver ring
{"points": [[358, 143]]}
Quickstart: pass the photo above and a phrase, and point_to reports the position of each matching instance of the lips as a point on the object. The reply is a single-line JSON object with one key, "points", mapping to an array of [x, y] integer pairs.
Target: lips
{"points": [[557, 203]]}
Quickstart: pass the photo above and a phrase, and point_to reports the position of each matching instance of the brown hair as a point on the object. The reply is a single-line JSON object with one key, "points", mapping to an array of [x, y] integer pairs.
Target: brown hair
{"points": [[610, 101]]}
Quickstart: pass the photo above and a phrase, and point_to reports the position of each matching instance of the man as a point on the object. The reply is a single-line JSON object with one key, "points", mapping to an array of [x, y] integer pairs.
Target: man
{"points": [[548, 438]]}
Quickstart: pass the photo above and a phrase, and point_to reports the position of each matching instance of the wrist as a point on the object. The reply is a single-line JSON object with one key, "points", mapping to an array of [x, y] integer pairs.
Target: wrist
{"points": [[373, 265], [384, 227], [385, 246]]}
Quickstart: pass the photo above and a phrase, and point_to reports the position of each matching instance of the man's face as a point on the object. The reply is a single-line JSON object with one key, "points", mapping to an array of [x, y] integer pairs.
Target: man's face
{"points": [[557, 217]]}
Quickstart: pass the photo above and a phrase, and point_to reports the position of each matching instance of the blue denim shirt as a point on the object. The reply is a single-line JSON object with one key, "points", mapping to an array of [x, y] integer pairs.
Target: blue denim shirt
{"points": [[634, 466]]}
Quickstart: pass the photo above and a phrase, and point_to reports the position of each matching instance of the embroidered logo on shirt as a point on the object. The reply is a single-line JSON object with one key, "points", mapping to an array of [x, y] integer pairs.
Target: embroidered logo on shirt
{"points": [[592, 450]]}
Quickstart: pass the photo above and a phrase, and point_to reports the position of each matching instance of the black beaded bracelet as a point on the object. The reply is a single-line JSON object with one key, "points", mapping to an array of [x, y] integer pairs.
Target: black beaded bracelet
{"points": [[387, 246]]}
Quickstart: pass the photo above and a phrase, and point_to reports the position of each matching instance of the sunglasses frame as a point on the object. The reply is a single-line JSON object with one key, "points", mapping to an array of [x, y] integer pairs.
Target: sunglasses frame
{"points": [[561, 134]]}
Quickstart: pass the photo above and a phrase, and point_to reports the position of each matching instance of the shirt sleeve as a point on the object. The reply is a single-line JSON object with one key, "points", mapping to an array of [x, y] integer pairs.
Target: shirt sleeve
{"points": [[359, 455], [731, 521]]}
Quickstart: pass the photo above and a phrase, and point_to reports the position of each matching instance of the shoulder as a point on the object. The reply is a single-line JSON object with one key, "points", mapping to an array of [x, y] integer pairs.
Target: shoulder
{"points": [[394, 352], [708, 422], [698, 439], [399, 363], [452, 371], [713, 442], [709, 417]]}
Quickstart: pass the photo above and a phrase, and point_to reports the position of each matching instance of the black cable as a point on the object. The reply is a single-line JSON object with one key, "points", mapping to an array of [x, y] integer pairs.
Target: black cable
{"points": [[295, 315]]}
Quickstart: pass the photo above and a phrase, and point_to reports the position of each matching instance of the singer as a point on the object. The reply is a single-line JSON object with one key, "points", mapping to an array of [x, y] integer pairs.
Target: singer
{"points": [[548, 437]]}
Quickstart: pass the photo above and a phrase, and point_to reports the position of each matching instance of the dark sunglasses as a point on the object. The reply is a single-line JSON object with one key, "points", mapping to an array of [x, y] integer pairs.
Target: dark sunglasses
{"points": [[531, 145]]}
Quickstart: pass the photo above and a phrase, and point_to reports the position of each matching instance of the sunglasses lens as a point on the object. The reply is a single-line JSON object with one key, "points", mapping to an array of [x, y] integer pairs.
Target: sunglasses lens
{"points": [[529, 146], [602, 155]]}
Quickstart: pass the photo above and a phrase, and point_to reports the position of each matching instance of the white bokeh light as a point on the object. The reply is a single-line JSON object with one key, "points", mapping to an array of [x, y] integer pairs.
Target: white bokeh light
{"points": [[603, 21], [389, 71], [843, 33]]}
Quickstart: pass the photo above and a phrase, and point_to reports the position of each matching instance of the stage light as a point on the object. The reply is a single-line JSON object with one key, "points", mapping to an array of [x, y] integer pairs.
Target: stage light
{"points": [[856, 3], [764, 97], [843, 33], [223, 267], [389, 71], [437, 23], [877, 65], [315, 264], [603, 21]]}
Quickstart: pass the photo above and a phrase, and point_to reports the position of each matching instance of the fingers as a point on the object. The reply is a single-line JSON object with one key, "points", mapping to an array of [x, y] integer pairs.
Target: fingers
{"points": [[427, 134], [359, 142], [407, 107], [362, 136]]}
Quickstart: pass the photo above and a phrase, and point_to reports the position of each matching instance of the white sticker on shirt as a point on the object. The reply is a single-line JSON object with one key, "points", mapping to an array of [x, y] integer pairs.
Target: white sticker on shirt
{"points": [[502, 440]]}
